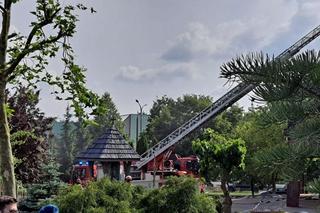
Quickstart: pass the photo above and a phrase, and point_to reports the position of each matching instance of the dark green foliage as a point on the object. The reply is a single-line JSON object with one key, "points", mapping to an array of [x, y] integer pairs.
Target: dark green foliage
{"points": [[260, 131], [291, 87], [168, 114], [100, 196], [314, 186], [108, 119], [142, 144], [82, 136], [49, 186], [28, 129], [178, 195], [66, 147], [292, 90]]}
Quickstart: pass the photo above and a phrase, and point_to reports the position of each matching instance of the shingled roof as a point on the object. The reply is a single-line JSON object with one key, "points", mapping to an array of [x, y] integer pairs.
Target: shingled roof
{"points": [[111, 146]]}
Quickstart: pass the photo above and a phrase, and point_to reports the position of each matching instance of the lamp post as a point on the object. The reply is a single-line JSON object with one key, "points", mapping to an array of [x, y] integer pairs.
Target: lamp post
{"points": [[140, 115]]}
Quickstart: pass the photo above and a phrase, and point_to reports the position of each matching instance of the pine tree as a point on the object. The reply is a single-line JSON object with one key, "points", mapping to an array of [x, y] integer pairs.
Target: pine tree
{"points": [[107, 120], [66, 146]]}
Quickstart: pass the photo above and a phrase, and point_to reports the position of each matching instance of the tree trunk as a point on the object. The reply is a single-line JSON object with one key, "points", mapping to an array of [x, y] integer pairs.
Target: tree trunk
{"points": [[6, 158], [293, 193], [274, 179], [227, 202], [252, 186]]}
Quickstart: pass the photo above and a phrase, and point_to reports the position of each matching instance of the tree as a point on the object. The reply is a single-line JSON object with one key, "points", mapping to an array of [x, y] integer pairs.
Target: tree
{"points": [[221, 153], [29, 133], [82, 136], [260, 132], [108, 119], [292, 88], [23, 58], [168, 114], [142, 144], [66, 146], [48, 187]]}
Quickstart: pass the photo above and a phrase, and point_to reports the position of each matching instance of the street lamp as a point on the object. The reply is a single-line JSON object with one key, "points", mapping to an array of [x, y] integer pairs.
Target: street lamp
{"points": [[140, 115]]}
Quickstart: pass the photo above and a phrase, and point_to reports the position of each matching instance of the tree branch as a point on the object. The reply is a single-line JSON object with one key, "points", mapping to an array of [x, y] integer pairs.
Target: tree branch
{"points": [[27, 51], [4, 32], [3, 10], [12, 35]]}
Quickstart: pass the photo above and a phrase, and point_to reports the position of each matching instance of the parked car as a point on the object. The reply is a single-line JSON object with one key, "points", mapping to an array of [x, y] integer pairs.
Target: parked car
{"points": [[281, 188], [245, 187]]}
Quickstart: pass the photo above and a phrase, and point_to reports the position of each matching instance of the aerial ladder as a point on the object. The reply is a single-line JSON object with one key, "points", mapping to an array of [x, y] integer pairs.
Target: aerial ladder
{"points": [[218, 106]]}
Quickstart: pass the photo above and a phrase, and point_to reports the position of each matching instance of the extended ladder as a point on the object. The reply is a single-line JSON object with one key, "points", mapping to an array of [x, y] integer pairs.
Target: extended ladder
{"points": [[218, 106]]}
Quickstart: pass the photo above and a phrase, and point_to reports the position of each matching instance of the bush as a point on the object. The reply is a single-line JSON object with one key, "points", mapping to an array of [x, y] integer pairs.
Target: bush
{"points": [[99, 196], [178, 195]]}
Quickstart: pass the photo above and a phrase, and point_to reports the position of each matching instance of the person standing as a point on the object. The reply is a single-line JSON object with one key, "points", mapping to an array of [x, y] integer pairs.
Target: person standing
{"points": [[8, 204]]}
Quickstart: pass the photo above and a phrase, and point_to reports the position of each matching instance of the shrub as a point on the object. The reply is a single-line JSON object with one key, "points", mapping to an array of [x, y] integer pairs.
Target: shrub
{"points": [[178, 195]]}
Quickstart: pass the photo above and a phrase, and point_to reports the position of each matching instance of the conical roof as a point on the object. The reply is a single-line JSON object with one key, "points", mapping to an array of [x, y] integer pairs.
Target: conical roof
{"points": [[110, 146]]}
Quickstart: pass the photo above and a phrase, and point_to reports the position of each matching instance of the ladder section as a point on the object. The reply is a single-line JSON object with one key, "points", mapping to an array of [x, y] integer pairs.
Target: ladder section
{"points": [[296, 47], [220, 105]]}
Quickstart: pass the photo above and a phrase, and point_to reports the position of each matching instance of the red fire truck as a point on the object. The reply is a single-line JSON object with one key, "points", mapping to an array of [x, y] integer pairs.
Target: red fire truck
{"points": [[82, 173]]}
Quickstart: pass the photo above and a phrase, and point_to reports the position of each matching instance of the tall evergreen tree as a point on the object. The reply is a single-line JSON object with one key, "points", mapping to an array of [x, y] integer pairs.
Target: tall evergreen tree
{"points": [[82, 136], [292, 89], [107, 119], [66, 146]]}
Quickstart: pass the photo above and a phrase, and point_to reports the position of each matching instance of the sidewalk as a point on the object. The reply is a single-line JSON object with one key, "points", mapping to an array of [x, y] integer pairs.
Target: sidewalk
{"points": [[276, 202]]}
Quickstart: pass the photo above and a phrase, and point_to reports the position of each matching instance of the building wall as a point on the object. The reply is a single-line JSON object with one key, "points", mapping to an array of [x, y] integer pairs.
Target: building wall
{"points": [[133, 127]]}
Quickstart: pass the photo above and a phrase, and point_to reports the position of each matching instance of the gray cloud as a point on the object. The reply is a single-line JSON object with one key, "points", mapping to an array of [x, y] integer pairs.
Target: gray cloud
{"points": [[200, 42], [156, 45], [165, 72]]}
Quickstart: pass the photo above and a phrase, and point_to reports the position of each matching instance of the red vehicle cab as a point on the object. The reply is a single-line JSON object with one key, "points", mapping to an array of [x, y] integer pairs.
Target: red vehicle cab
{"points": [[83, 173]]}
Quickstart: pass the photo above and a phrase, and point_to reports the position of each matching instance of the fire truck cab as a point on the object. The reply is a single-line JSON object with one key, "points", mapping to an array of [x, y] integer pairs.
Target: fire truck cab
{"points": [[83, 172]]}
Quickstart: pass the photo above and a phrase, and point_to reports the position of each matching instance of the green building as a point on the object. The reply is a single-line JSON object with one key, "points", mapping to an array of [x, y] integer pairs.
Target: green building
{"points": [[134, 124]]}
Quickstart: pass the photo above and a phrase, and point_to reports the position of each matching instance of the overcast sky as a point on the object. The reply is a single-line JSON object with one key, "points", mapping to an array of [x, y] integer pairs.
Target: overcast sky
{"points": [[144, 49]]}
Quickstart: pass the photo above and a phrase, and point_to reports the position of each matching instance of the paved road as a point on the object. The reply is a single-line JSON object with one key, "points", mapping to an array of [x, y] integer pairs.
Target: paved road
{"points": [[274, 202]]}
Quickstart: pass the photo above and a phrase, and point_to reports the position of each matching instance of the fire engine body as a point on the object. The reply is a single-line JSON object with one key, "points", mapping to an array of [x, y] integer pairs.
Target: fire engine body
{"points": [[169, 163]]}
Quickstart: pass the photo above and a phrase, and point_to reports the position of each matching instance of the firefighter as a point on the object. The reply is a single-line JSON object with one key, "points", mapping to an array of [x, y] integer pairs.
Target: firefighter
{"points": [[202, 187]]}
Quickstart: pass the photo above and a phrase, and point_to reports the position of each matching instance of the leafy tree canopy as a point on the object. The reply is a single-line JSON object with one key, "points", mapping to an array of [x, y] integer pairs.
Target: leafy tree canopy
{"points": [[222, 154], [28, 128], [24, 58], [168, 114]]}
